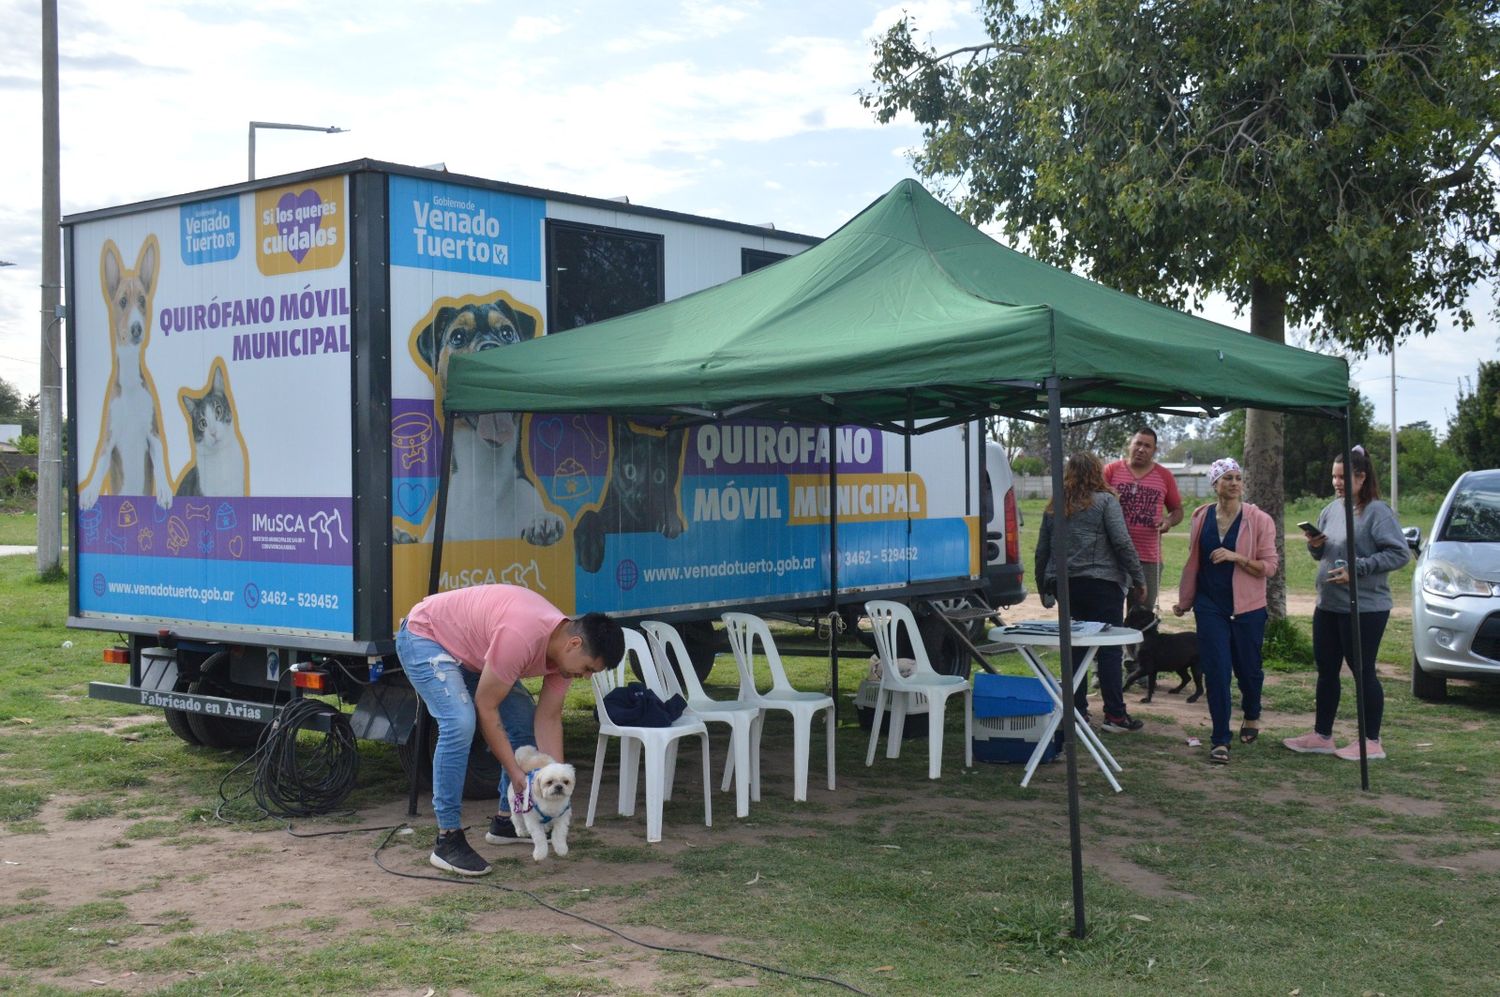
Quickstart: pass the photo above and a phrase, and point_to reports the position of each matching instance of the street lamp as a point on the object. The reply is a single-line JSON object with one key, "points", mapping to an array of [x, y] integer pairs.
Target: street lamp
{"points": [[330, 130]]}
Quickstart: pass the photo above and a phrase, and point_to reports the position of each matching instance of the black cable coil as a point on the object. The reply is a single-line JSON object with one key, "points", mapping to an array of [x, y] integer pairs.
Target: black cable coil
{"points": [[305, 778]]}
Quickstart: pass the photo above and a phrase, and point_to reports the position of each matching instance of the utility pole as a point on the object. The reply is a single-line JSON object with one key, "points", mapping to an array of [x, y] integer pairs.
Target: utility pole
{"points": [[1395, 491], [49, 459]]}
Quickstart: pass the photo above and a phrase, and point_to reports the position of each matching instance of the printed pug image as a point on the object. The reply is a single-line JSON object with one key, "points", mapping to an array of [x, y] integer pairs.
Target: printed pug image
{"points": [[489, 495], [221, 463], [131, 456]]}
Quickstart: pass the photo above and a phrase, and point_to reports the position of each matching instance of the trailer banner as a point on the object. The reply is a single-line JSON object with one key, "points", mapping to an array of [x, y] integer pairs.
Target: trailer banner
{"points": [[212, 412]]}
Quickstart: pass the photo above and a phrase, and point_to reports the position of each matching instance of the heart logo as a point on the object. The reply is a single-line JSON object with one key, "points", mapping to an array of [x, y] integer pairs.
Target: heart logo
{"points": [[237, 545], [298, 218], [550, 431], [412, 498]]}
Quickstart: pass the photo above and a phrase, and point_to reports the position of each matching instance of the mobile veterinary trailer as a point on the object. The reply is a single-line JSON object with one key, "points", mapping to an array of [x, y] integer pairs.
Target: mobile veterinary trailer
{"points": [[256, 381]]}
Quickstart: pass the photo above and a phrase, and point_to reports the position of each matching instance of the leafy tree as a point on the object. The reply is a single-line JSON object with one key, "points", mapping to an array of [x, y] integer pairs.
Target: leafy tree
{"points": [[1474, 433], [1312, 441], [1424, 466], [1327, 163], [18, 408]]}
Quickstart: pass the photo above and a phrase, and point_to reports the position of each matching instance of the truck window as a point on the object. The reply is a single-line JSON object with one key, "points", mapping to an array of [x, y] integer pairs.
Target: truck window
{"points": [[595, 273], [754, 259]]}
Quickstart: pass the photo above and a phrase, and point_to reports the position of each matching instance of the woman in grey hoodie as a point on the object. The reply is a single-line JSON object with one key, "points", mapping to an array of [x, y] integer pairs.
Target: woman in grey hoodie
{"points": [[1102, 564], [1378, 549]]}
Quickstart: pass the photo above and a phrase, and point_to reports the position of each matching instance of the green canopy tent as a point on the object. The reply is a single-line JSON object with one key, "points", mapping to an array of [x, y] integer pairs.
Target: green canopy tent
{"points": [[909, 319]]}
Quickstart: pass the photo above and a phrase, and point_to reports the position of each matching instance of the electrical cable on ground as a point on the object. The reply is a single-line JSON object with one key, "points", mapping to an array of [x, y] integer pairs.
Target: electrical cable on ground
{"points": [[391, 832], [293, 779]]}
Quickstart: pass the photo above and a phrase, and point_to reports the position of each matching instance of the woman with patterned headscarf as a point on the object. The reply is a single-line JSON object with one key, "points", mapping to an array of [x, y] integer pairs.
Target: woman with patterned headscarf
{"points": [[1231, 552]]}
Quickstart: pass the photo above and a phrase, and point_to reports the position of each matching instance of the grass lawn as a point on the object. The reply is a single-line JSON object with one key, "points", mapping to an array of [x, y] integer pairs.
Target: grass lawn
{"points": [[1275, 875]]}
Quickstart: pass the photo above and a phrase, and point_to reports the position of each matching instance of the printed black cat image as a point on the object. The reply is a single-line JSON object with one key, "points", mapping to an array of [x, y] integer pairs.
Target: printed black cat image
{"points": [[220, 465], [641, 497]]}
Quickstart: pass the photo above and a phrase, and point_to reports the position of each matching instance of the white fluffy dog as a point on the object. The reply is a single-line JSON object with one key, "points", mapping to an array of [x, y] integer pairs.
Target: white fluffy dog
{"points": [[551, 791]]}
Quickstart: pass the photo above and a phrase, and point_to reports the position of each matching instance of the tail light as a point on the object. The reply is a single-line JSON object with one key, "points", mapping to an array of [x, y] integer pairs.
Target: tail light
{"points": [[116, 656], [313, 679], [1012, 528]]}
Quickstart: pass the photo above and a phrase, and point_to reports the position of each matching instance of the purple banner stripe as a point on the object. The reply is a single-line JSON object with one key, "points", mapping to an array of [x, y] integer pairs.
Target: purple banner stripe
{"points": [[274, 530]]}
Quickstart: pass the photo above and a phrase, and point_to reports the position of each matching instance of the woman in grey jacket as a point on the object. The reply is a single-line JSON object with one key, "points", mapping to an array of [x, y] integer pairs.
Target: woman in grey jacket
{"points": [[1102, 564], [1379, 549]]}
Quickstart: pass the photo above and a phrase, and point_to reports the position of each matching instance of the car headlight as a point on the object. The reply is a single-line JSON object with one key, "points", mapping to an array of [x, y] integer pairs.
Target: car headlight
{"points": [[1450, 581]]}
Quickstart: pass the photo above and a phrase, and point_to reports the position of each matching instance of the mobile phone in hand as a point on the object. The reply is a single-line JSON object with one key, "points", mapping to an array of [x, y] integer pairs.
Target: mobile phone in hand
{"points": [[1309, 529]]}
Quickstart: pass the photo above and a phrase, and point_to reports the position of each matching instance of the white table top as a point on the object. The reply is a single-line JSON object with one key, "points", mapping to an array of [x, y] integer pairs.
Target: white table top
{"points": [[1104, 638]]}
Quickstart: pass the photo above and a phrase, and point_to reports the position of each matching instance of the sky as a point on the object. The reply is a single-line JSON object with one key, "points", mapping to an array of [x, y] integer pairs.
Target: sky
{"points": [[739, 109]]}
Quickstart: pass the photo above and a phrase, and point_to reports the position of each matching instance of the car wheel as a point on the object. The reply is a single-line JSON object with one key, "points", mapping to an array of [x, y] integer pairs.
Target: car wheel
{"points": [[1424, 685]]}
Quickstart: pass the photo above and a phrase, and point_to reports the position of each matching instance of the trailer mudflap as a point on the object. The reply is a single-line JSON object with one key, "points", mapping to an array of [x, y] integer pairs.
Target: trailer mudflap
{"points": [[385, 713], [158, 670]]}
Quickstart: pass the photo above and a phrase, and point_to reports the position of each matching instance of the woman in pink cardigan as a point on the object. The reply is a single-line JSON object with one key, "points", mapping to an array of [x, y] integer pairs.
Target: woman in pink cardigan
{"points": [[1231, 551]]}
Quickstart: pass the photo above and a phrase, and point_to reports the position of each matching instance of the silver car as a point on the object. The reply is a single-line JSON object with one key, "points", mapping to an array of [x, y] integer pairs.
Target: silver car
{"points": [[1455, 593]]}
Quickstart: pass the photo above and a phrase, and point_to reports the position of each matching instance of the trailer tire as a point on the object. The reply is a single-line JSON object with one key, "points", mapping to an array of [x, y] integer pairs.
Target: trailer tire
{"points": [[177, 720], [945, 651], [481, 778], [219, 732]]}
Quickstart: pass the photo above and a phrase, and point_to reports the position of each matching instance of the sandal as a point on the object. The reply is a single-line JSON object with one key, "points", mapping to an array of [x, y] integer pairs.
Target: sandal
{"points": [[1249, 734], [1219, 755]]}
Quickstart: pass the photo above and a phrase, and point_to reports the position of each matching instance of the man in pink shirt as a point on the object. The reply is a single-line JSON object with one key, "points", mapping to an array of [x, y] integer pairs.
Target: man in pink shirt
{"points": [[465, 653], [1145, 489]]}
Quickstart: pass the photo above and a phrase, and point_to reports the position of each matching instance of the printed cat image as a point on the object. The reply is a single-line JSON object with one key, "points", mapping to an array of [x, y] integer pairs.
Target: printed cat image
{"points": [[220, 464], [642, 495]]}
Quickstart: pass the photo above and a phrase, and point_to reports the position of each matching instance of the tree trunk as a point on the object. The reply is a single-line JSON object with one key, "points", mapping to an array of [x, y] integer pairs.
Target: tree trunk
{"points": [[1264, 441]]}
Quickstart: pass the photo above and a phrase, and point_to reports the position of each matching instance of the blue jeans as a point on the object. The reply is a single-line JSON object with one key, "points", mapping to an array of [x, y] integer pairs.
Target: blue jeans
{"points": [[1230, 643], [447, 689]]}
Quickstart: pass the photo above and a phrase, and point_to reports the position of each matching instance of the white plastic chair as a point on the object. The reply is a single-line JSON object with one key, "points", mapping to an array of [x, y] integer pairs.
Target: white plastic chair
{"points": [[744, 631], [744, 719], [660, 744], [900, 691]]}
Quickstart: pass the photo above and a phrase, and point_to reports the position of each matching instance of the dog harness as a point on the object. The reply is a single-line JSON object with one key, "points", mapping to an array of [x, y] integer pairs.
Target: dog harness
{"points": [[524, 804]]}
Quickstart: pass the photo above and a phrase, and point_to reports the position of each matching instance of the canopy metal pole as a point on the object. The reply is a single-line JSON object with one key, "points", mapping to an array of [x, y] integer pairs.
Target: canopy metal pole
{"points": [[1065, 643], [442, 506], [1355, 642], [833, 564]]}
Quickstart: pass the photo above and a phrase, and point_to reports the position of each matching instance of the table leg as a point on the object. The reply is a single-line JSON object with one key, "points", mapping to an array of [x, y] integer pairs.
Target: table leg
{"points": [[1086, 734]]}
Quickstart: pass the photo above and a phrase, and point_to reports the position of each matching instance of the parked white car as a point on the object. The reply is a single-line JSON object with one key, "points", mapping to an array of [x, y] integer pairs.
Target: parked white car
{"points": [[1455, 592]]}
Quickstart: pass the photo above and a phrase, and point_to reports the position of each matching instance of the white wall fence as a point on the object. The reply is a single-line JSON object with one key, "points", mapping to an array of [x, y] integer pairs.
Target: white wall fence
{"points": [[1038, 486]]}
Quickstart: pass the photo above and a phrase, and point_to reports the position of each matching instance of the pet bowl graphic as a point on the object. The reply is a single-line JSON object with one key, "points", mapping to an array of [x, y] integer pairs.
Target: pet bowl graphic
{"points": [[224, 517], [410, 434], [126, 517], [177, 535], [571, 480]]}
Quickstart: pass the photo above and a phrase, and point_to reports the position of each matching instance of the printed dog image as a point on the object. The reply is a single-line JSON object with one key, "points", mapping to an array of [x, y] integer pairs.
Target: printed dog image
{"points": [[551, 802], [131, 457], [642, 496], [489, 496], [1159, 653]]}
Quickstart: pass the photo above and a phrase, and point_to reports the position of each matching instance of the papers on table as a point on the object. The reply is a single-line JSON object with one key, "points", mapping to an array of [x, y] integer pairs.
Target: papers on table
{"points": [[1050, 628]]}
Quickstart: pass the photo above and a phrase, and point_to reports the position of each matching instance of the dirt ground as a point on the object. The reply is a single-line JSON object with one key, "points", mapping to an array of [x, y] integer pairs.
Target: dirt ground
{"points": [[220, 878]]}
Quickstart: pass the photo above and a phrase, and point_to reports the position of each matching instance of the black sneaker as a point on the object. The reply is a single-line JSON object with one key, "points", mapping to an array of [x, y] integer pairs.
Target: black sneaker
{"points": [[453, 854], [503, 832], [1122, 724]]}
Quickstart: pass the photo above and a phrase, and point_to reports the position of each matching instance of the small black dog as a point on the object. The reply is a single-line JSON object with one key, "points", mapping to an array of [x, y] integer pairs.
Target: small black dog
{"points": [[1161, 652]]}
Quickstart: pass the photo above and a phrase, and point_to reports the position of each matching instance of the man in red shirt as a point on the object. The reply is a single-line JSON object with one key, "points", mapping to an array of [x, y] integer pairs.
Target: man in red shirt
{"points": [[1145, 489], [465, 653]]}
